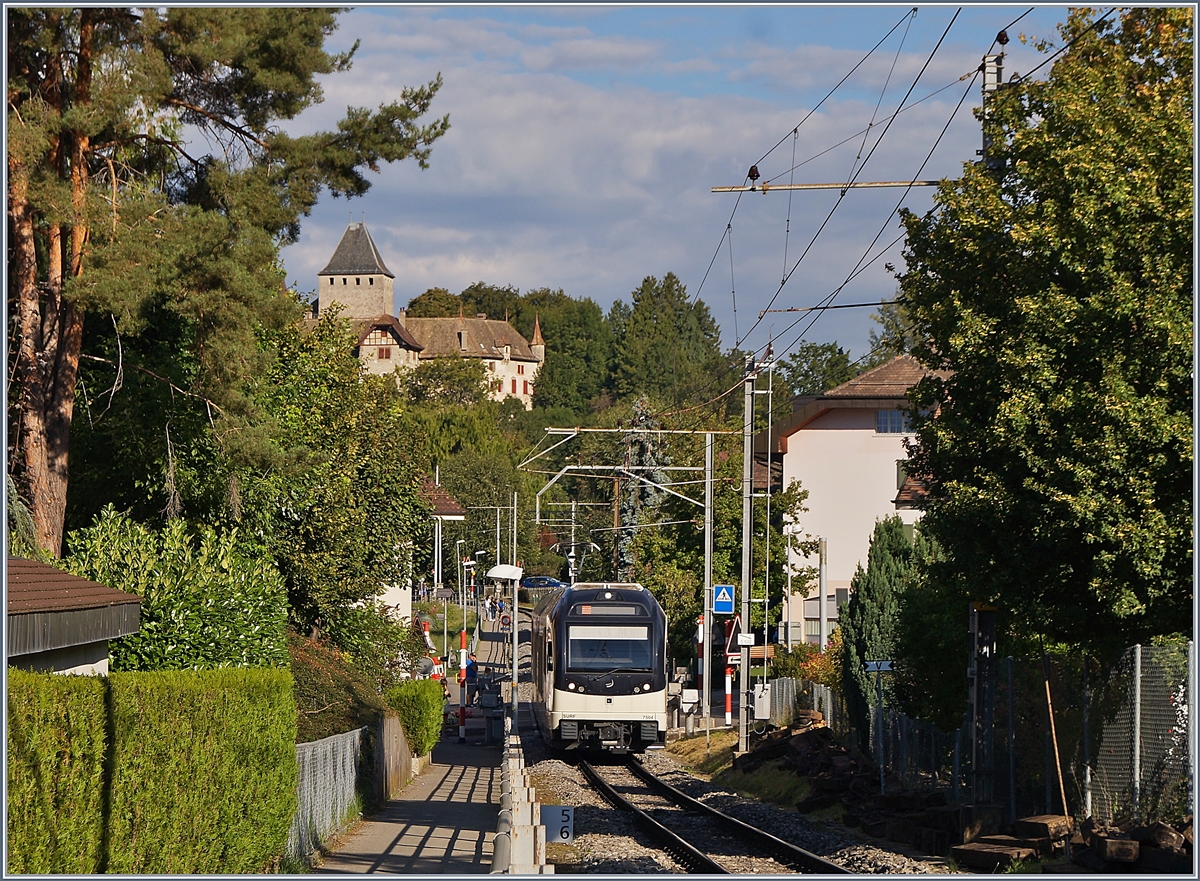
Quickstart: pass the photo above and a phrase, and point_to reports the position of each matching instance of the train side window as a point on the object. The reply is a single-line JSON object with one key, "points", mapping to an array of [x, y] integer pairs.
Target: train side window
{"points": [[549, 655]]}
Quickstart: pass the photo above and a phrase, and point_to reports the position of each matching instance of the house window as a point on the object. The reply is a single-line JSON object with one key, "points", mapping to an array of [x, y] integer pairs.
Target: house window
{"points": [[525, 386], [514, 391], [812, 627], [385, 353], [901, 473], [491, 366], [520, 370], [892, 422]]}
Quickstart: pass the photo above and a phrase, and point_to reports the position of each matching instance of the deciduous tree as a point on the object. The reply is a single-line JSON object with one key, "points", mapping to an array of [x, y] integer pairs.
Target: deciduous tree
{"points": [[1057, 285]]}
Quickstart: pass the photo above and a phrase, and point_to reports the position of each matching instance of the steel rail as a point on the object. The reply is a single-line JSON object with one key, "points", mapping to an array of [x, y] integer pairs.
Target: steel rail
{"points": [[698, 862], [786, 852]]}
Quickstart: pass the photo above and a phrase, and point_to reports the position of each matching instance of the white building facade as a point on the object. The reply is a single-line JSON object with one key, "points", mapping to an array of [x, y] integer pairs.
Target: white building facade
{"points": [[846, 448]]}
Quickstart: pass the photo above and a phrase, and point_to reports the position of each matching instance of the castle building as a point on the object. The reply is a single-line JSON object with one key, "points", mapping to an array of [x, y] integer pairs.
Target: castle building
{"points": [[357, 279]]}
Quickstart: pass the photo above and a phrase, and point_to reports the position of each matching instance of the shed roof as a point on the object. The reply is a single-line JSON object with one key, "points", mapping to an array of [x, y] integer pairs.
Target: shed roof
{"points": [[49, 609], [39, 587], [356, 253], [481, 338]]}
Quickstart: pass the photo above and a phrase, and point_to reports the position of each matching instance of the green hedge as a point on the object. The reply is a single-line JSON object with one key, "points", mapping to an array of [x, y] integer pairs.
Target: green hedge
{"points": [[203, 771], [420, 705], [56, 742]]}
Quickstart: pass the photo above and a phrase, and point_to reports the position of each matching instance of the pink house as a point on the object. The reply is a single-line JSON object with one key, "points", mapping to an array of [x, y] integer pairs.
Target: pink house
{"points": [[846, 447]]}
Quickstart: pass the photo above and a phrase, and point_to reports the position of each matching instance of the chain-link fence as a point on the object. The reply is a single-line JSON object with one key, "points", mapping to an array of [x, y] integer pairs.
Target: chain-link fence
{"points": [[1120, 743], [326, 788]]}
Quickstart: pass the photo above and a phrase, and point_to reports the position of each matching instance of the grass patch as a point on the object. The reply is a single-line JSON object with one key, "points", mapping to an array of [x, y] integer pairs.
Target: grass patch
{"points": [[770, 782], [707, 754]]}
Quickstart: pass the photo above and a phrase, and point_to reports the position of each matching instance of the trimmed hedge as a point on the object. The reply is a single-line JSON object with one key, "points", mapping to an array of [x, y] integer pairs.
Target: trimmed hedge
{"points": [[56, 742], [202, 771], [420, 705]]}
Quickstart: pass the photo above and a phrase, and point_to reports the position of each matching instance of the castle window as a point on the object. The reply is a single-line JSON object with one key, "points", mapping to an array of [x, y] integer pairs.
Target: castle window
{"points": [[358, 281], [514, 391], [343, 280], [331, 281], [491, 366], [520, 369], [371, 280], [525, 384], [385, 353]]}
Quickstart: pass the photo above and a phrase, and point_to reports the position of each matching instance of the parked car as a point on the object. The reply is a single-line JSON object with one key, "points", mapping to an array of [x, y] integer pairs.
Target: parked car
{"points": [[541, 581]]}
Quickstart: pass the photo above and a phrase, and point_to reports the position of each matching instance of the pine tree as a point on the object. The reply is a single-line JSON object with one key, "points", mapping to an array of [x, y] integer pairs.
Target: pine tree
{"points": [[868, 622]]}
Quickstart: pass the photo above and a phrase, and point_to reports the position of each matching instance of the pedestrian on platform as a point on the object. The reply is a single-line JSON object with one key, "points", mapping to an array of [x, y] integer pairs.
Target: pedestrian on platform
{"points": [[472, 679]]}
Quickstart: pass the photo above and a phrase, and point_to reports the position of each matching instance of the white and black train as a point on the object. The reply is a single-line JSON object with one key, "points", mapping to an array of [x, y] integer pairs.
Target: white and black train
{"points": [[599, 654]]}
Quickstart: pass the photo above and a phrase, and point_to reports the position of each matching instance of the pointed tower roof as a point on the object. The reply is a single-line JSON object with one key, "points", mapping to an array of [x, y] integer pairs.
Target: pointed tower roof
{"points": [[537, 332], [356, 254]]}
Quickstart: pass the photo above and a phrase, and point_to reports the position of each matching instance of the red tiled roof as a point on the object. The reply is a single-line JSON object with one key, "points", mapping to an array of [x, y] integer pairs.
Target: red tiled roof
{"points": [[443, 504], [913, 493], [892, 379], [38, 587]]}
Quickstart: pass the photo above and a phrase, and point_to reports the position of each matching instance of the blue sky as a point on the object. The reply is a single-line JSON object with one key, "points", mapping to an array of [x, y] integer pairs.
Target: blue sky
{"points": [[585, 140]]}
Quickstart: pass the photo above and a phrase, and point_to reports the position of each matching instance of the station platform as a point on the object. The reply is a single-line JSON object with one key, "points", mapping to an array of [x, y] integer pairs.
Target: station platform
{"points": [[443, 822]]}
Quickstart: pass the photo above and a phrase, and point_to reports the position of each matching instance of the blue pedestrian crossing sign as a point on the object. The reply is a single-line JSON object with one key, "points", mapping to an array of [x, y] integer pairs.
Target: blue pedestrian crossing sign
{"points": [[722, 599]]}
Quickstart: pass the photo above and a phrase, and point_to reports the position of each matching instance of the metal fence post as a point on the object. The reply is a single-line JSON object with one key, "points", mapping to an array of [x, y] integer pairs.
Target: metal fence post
{"points": [[1137, 728]]}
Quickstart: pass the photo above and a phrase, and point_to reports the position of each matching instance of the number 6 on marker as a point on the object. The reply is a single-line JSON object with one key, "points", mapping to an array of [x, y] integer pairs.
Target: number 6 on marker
{"points": [[559, 821]]}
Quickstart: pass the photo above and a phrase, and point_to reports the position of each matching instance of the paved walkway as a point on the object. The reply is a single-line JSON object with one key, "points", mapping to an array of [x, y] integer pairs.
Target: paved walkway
{"points": [[444, 820]]}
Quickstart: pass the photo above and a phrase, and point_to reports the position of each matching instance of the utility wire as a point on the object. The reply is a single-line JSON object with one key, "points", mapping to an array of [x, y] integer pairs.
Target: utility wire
{"points": [[1087, 31], [842, 195]]}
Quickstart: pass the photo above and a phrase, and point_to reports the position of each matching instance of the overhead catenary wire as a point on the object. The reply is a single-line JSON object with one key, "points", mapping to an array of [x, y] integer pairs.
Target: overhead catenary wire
{"points": [[842, 195]]}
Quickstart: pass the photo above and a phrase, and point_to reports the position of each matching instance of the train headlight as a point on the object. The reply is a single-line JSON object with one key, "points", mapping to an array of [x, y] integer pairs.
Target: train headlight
{"points": [[646, 687], [571, 685]]}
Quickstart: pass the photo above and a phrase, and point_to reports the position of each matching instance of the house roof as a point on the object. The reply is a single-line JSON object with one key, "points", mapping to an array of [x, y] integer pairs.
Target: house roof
{"points": [[880, 387], [390, 322], [49, 609], [356, 253], [38, 587], [444, 505], [481, 338], [891, 379], [912, 494]]}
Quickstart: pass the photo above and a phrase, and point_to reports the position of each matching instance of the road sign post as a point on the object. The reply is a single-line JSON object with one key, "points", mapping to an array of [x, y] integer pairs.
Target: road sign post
{"points": [[879, 668], [723, 599]]}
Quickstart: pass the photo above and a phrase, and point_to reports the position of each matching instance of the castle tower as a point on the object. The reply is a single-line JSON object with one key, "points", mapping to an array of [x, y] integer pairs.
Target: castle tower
{"points": [[356, 277], [537, 345]]}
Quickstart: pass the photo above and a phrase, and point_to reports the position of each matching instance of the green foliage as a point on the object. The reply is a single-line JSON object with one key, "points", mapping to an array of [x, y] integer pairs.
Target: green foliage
{"points": [[207, 601], [204, 771], [931, 641], [458, 381], [668, 347], [868, 620], [814, 368], [172, 257], [1058, 288], [56, 749], [342, 494], [181, 772], [434, 303], [332, 696], [383, 648], [420, 705], [22, 535]]}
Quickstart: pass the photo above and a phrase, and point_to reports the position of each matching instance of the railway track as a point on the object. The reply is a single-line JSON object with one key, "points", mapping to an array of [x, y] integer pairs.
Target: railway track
{"points": [[699, 837]]}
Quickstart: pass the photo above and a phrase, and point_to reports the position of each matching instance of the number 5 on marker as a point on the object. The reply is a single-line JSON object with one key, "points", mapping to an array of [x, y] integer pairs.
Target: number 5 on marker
{"points": [[559, 821]]}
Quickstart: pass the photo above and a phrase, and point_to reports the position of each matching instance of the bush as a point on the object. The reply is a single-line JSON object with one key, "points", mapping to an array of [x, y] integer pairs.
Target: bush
{"points": [[56, 754], [421, 707], [332, 697], [382, 646], [179, 772], [204, 771], [219, 604]]}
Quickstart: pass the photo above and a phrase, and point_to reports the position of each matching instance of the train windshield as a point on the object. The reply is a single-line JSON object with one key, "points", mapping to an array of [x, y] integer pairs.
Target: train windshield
{"points": [[608, 647]]}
